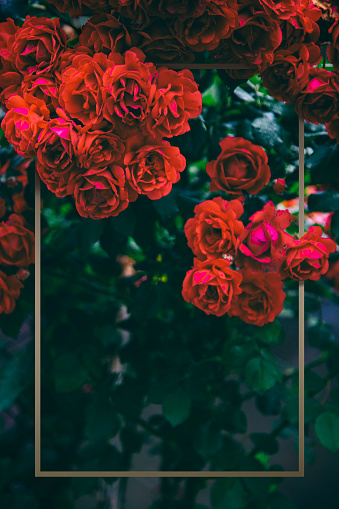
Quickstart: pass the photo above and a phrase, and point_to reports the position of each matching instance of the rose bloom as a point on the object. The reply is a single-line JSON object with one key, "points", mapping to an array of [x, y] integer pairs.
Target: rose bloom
{"points": [[43, 87], [301, 26], [161, 43], [307, 258], [261, 244], [319, 101], [176, 100], [26, 118], [152, 167], [214, 229], [10, 288], [74, 7], [10, 79], [100, 193], [38, 45], [104, 33], [81, 91], [254, 41], [204, 31], [16, 242], [98, 149], [241, 166], [281, 10], [333, 128], [261, 299], [55, 157], [129, 91], [333, 48], [289, 73], [211, 286]]}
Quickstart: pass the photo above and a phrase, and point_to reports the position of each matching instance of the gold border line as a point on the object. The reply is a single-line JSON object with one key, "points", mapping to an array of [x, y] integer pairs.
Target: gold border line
{"points": [[209, 474]]}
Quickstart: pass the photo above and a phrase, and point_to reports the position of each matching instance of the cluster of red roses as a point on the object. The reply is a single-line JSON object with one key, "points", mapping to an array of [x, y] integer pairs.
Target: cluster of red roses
{"points": [[240, 269], [16, 236], [95, 121], [278, 40]]}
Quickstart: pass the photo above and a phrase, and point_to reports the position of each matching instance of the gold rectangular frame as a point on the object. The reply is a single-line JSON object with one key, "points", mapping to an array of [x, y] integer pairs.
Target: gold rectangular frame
{"points": [[207, 474]]}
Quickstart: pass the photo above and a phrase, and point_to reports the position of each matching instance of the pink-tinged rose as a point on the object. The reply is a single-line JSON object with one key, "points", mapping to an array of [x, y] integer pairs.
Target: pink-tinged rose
{"points": [[307, 258], [212, 286], [279, 186], [25, 119], [152, 167], [43, 87], [100, 193], [261, 245]]}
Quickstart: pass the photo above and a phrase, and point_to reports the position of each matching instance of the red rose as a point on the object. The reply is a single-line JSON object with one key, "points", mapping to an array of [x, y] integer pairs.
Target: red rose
{"points": [[261, 244], [214, 229], [98, 149], [16, 243], [289, 73], [136, 10], [161, 43], [333, 128], [81, 90], [281, 10], [206, 29], [241, 166], [152, 167], [301, 26], [43, 87], [176, 100], [279, 186], [10, 79], [254, 41], [10, 288], [104, 33], [333, 48], [38, 45], [100, 193], [319, 101], [261, 299], [26, 118], [55, 157], [211, 286], [307, 258], [129, 91]]}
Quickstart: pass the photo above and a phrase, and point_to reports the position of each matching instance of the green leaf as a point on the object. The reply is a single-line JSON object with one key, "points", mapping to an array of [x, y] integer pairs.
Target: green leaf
{"points": [[323, 164], [327, 430], [262, 373], [227, 493], [70, 374], [326, 201], [102, 421], [271, 333], [265, 442], [177, 407], [208, 440], [166, 206]]}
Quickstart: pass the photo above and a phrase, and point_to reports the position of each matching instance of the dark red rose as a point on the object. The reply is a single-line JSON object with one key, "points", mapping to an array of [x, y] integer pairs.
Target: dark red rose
{"points": [[261, 245], [161, 43], [254, 41], [301, 26], [176, 100], [135, 10], [307, 258], [319, 101], [279, 186], [333, 48], [74, 7], [43, 87], [81, 91], [24, 121], [152, 167], [98, 149], [333, 127], [261, 299], [241, 166], [283, 9], [214, 229], [104, 33], [20, 204], [55, 158], [16, 243], [212, 286], [205, 30], [10, 288], [100, 193], [10, 79], [289, 73], [129, 91], [38, 45]]}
